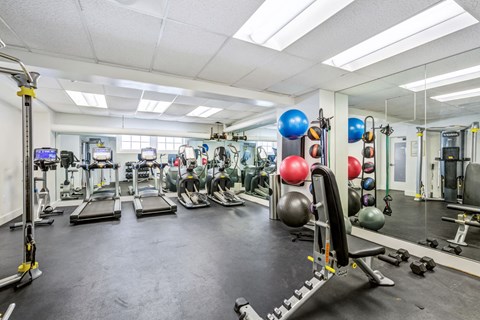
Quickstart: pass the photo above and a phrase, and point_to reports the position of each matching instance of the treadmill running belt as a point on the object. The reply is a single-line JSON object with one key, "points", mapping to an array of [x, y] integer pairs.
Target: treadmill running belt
{"points": [[98, 209], [154, 204]]}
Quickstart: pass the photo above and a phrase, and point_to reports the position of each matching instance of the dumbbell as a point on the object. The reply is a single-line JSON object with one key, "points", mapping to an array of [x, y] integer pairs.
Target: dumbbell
{"points": [[431, 242], [421, 266], [400, 255], [390, 259], [453, 248]]}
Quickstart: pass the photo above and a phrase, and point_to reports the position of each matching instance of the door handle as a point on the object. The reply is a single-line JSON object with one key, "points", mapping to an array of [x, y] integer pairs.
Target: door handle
{"points": [[392, 164]]}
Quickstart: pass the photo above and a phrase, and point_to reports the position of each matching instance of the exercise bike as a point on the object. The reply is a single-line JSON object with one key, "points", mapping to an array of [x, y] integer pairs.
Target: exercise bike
{"points": [[67, 188], [219, 182], [188, 183], [44, 159]]}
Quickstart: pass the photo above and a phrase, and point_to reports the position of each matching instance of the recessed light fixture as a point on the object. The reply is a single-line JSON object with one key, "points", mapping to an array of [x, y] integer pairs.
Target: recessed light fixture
{"points": [[203, 112], [153, 106], [458, 95], [84, 99], [436, 22], [278, 23], [444, 79]]}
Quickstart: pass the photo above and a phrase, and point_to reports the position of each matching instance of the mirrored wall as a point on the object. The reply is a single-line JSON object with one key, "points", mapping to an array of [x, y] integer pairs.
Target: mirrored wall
{"points": [[415, 167]]}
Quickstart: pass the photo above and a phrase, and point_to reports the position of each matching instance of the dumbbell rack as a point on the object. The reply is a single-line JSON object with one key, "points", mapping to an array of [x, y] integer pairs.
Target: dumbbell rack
{"points": [[372, 144], [143, 173]]}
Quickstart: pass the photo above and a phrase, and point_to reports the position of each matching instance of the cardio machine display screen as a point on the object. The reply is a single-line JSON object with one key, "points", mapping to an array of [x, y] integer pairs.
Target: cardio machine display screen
{"points": [[102, 154], [149, 154], [46, 154]]}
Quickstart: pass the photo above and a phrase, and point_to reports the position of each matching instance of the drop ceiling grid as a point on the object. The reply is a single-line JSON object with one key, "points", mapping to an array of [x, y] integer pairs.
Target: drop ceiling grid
{"points": [[122, 104], [8, 36], [119, 35], [184, 50], [62, 34]]}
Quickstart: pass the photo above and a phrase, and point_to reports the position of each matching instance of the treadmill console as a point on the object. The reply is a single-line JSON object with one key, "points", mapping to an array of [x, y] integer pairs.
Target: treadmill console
{"points": [[45, 154], [102, 154], [148, 154]]}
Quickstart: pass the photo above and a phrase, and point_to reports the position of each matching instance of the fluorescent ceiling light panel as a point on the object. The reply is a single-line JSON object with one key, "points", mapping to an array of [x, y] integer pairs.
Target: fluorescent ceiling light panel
{"points": [[444, 79], [84, 99], [278, 23], [153, 106], [458, 95], [438, 21], [203, 112]]}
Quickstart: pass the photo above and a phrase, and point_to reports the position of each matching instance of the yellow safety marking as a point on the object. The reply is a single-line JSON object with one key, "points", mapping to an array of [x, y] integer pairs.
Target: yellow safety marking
{"points": [[354, 265], [418, 195], [222, 177], [24, 91], [190, 177], [419, 134], [475, 130], [24, 267], [310, 258], [330, 269]]}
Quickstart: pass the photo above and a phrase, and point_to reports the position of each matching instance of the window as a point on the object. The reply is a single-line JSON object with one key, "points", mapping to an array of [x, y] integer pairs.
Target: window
{"points": [[169, 143], [135, 143], [267, 145]]}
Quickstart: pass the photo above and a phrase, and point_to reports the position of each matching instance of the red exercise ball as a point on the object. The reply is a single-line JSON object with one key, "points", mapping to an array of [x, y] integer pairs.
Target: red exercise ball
{"points": [[354, 168], [204, 161], [294, 169], [176, 163]]}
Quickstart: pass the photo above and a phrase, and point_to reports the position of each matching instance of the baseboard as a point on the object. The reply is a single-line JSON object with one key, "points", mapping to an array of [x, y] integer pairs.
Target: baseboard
{"points": [[10, 215], [258, 200]]}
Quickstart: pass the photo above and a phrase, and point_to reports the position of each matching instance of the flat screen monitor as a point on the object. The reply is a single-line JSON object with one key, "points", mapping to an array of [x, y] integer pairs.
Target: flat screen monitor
{"points": [[148, 154], [102, 154], [47, 154]]}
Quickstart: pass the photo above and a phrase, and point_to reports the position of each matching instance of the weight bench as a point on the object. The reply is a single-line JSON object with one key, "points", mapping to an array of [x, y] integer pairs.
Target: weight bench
{"points": [[333, 251], [470, 206]]}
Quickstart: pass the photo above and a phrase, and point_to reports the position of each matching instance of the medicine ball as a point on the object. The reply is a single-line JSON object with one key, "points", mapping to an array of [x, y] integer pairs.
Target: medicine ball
{"points": [[368, 152], [354, 204], [368, 200], [293, 208], [354, 168], [315, 151], [368, 167], [368, 137], [294, 170], [355, 129], [314, 133], [368, 184], [293, 124], [371, 218]]}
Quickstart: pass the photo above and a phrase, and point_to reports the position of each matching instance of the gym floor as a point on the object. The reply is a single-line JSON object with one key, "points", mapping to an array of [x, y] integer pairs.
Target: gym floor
{"points": [[193, 265], [408, 223]]}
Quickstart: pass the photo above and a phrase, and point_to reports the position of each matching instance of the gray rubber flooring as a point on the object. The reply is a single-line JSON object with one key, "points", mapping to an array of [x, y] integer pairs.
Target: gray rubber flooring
{"points": [[194, 265]]}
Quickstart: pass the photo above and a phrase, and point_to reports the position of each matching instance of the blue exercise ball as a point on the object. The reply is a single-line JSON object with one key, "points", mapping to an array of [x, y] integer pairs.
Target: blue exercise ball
{"points": [[205, 146], [293, 124], [355, 129]]}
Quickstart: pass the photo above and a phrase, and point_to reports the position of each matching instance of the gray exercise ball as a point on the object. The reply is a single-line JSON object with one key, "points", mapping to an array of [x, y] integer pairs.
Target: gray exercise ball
{"points": [[371, 218], [348, 225], [293, 209]]}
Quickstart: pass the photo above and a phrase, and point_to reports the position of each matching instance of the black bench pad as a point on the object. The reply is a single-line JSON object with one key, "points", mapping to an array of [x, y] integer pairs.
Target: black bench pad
{"points": [[360, 248], [464, 207]]}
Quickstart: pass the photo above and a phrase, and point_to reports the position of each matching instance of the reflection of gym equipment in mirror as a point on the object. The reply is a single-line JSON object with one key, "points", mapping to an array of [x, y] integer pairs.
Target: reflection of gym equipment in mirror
{"points": [[188, 183], [256, 177], [69, 161], [150, 200], [451, 162], [218, 180], [332, 250], [45, 159], [470, 207], [99, 205]]}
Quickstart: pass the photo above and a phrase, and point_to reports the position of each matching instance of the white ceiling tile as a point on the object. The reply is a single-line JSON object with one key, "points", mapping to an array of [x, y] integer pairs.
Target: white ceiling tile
{"points": [[194, 101], [179, 109], [121, 113], [218, 104], [121, 36], [228, 116], [122, 104], [147, 115], [220, 16], [47, 82], [282, 67], [94, 111], [81, 86], [184, 50], [122, 92], [8, 37], [288, 87], [240, 107], [158, 96], [155, 8], [49, 26], [65, 108], [53, 96], [317, 74], [235, 60]]}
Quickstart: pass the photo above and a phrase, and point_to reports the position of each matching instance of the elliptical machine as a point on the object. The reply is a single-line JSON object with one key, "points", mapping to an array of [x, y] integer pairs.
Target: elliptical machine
{"points": [[188, 183], [44, 159], [256, 178], [219, 182], [233, 172], [67, 188]]}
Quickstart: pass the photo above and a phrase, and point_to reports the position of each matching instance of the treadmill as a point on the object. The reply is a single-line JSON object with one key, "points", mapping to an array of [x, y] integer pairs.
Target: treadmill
{"points": [[98, 206], [150, 200]]}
